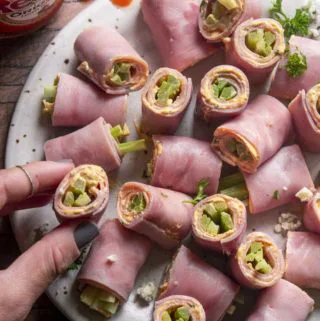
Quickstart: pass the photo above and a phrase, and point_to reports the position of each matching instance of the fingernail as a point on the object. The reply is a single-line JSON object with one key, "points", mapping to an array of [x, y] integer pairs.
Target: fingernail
{"points": [[85, 233], [65, 161]]}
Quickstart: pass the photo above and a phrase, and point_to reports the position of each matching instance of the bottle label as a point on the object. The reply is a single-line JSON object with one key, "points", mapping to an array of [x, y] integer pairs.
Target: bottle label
{"points": [[22, 12]]}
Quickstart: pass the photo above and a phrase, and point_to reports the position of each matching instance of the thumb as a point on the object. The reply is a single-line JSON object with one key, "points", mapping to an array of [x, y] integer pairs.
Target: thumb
{"points": [[25, 280]]}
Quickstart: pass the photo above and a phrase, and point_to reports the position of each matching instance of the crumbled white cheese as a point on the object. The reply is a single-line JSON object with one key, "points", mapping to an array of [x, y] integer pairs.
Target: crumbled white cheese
{"points": [[304, 194], [112, 258], [287, 222], [314, 33], [147, 291]]}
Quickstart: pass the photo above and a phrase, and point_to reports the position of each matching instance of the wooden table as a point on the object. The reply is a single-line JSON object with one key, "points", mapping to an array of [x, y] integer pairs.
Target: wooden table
{"points": [[17, 58]]}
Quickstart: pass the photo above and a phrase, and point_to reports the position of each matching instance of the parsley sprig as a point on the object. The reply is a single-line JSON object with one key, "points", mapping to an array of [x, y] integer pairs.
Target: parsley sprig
{"points": [[298, 25], [202, 185], [296, 64]]}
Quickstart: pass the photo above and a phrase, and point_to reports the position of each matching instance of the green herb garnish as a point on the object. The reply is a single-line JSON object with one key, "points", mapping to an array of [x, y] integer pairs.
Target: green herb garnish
{"points": [[297, 64], [202, 185], [78, 262], [298, 25], [276, 195]]}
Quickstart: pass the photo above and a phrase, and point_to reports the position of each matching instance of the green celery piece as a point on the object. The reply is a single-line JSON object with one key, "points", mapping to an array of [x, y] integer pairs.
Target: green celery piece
{"points": [[205, 221], [110, 307], [263, 267], [88, 295], [132, 146], [269, 38], [231, 180], [228, 93], [211, 211], [107, 297], [221, 206], [82, 200], [211, 20], [226, 222], [209, 226], [182, 313], [116, 79], [138, 203], [166, 316], [251, 40], [68, 199], [229, 4], [262, 48], [239, 191], [250, 257], [213, 229], [169, 89], [49, 93], [120, 73], [218, 10], [255, 247], [221, 84], [78, 186], [232, 145], [216, 91], [258, 256], [241, 149]]}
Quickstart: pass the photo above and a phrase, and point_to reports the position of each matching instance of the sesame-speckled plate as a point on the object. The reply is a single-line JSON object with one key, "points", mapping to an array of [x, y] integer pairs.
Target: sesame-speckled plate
{"points": [[28, 133]]}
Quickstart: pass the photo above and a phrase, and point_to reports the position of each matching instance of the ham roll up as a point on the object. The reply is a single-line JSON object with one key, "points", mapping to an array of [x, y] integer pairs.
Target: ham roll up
{"points": [[111, 267], [83, 193], [305, 111], [218, 19], [108, 60], [174, 27], [219, 223], [250, 139], [302, 259], [94, 144], [283, 301], [160, 214], [287, 87], [165, 101], [224, 92], [73, 102], [258, 263], [256, 47], [191, 276], [311, 214], [180, 163], [178, 307]]}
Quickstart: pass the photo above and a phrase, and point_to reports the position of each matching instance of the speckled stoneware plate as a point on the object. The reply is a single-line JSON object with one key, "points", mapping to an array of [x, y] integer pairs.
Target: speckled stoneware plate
{"points": [[28, 133]]}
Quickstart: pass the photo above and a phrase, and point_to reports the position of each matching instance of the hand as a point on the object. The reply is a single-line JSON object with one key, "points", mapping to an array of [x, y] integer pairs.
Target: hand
{"points": [[25, 280]]}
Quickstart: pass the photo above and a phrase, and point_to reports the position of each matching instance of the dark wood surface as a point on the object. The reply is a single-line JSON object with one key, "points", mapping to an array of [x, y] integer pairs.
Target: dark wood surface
{"points": [[17, 58]]}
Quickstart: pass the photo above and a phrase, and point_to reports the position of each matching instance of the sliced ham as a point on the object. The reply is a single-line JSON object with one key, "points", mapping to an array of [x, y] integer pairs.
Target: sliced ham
{"points": [[311, 214], [245, 10], [78, 103], [245, 273], [225, 242], [166, 218], [174, 27], [100, 193], [306, 119], [286, 87], [180, 163], [164, 119], [261, 130], [302, 259], [191, 276], [92, 144], [115, 259], [256, 67], [283, 301], [171, 303], [278, 180], [211, 107], [98, 48]]}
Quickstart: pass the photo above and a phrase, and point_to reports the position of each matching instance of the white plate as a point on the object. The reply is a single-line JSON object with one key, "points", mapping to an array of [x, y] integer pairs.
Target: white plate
{"points": [[28, 133]]}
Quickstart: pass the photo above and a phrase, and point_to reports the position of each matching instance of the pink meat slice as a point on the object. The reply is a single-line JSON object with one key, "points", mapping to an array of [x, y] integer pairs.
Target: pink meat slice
{"points": [[287, 87], [79, 103], [311, 214], [285, 173], [129, 251], [302, 259], [191, 276], [282, 302], [183, 162], [306, 124], [174, 26], [92, 144], [166, 219]]}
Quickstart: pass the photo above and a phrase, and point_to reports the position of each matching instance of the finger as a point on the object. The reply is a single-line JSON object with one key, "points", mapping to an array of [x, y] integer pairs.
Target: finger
{"points": [[35, 269], [15, 185], [35, 201]]}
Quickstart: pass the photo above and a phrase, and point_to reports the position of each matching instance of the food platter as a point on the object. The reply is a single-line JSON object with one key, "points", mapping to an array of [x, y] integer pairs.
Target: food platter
{"points": [[29, 131]]}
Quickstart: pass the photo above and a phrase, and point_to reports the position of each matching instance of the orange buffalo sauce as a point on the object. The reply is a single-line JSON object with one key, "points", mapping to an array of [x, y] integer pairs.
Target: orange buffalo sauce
{"points": [[121, 3], [18, 17]]}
